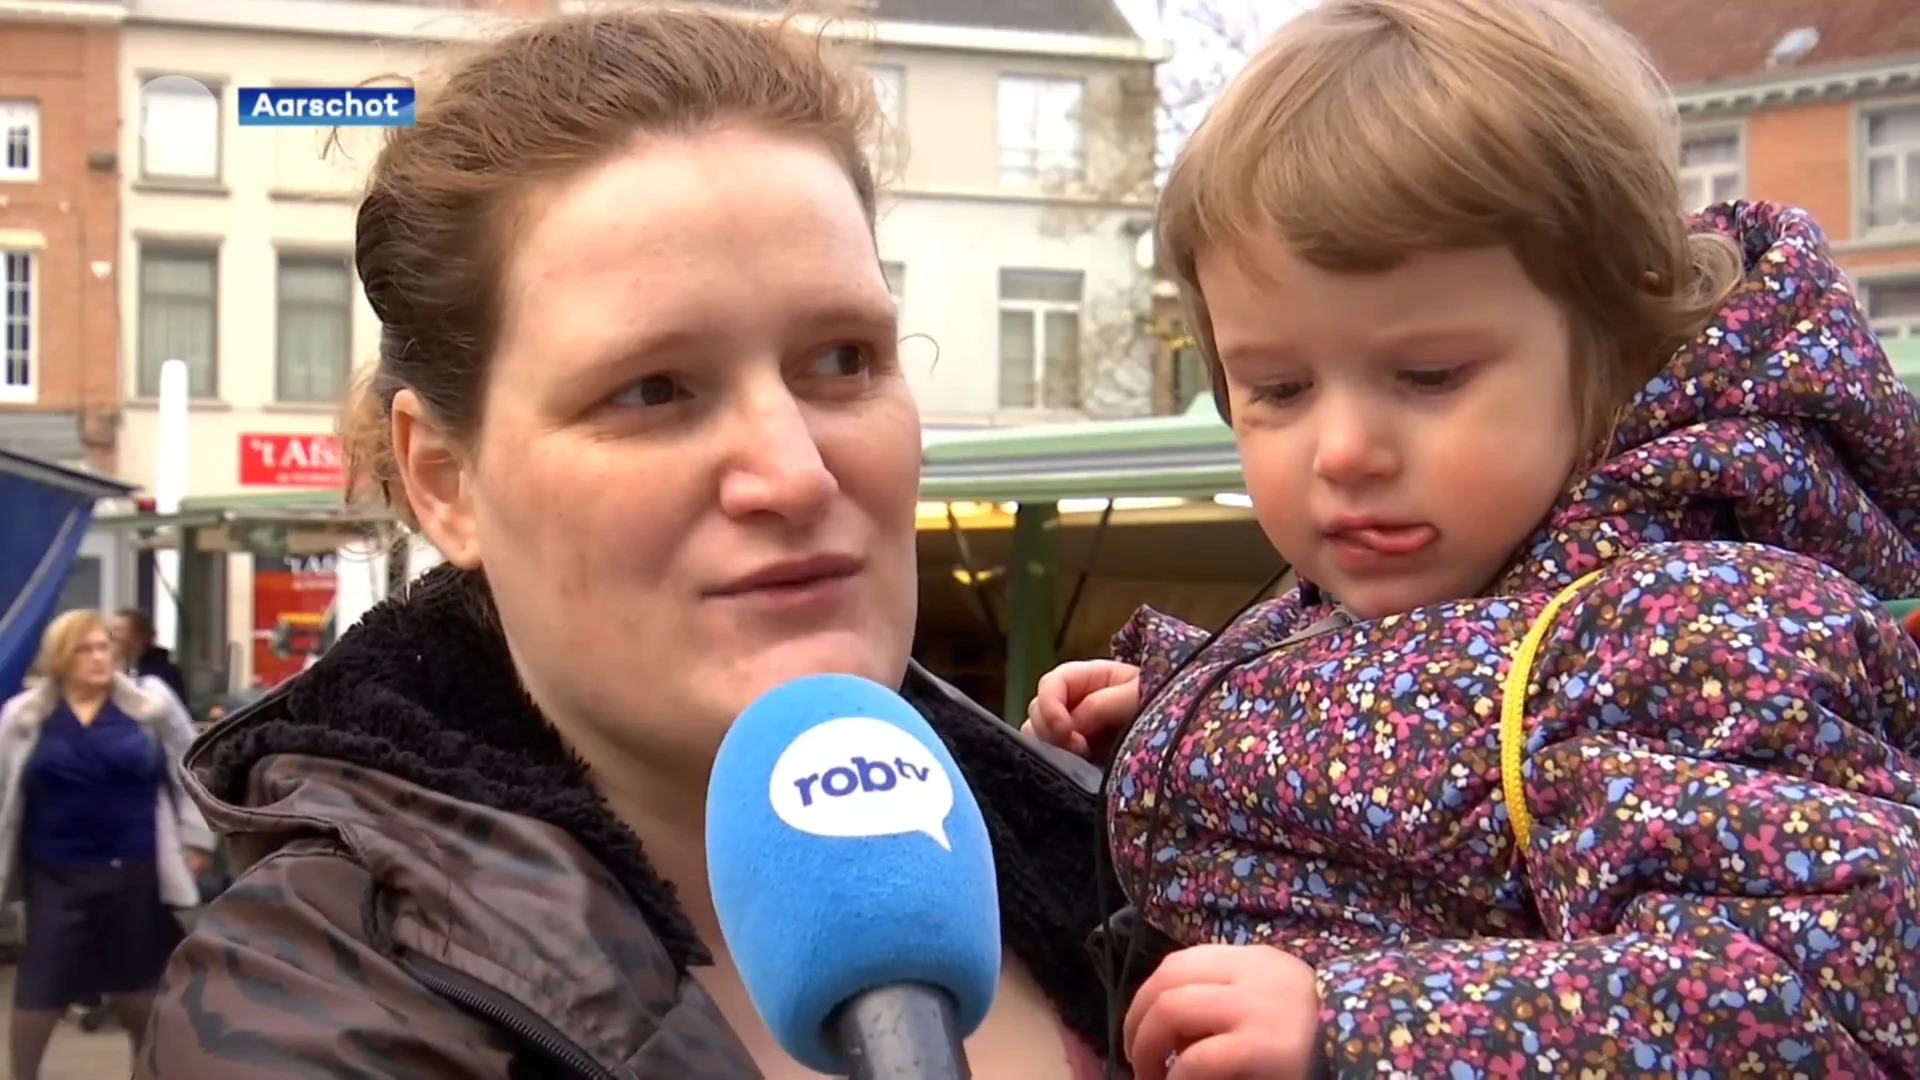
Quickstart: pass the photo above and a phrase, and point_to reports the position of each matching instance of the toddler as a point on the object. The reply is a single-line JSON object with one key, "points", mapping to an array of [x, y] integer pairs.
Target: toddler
{"points": [[1583, 747]]}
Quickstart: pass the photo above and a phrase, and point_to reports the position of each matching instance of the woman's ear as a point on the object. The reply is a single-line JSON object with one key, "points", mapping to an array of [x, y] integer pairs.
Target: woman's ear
{"points": [[433, 474]]}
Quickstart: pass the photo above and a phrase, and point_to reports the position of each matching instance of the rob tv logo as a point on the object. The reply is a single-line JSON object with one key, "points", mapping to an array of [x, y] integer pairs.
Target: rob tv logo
{"points": [[856, 776]]}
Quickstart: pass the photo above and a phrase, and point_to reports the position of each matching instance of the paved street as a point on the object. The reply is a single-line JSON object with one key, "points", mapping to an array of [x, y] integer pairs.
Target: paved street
{"points": [[75, 1055]]}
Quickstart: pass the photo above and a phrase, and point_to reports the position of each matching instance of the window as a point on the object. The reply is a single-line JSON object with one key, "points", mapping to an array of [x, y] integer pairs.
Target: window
{"points": [[888, 83], [896, 281], [178, 317], [19, 140], [18, 339], [1711, 169], [1891, 145], [1893, 307], [1042, 139], [315, 320], [179, 130], [1040, 339], [888, 79]]}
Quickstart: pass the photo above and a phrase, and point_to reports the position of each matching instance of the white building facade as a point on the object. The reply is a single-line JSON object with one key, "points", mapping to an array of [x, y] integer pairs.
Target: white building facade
{"points": [[1009, 233]]}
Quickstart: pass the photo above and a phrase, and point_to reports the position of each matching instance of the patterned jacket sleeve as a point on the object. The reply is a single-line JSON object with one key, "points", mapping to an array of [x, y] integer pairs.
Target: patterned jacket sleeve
{"points": [[1725, 850], [279, 981], [1158, 643]]}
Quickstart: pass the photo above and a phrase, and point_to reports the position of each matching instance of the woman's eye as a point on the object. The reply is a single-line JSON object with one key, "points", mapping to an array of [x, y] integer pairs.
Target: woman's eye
{"points": [[1434, 380], [652, 390], [842, 361]]}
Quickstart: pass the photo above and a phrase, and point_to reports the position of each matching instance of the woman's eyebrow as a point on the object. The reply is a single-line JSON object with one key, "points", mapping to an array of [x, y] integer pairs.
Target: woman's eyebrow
{"points": [[848, 311]]}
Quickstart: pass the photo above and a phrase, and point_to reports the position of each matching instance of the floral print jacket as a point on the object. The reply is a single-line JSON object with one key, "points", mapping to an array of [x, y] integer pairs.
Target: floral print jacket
{"points": [[1721, 755]]}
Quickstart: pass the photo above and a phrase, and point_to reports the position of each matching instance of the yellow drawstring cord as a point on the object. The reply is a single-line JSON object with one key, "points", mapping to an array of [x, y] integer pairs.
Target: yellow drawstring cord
{"points": [[1513, 714]]}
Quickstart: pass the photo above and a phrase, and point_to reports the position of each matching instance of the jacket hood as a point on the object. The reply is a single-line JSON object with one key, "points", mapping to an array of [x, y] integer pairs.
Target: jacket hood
{"points": [[1782, 423]]}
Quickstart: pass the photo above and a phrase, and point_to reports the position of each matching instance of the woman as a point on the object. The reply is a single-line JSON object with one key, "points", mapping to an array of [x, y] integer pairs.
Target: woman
{"points": [[638, 383], [96, 835]]}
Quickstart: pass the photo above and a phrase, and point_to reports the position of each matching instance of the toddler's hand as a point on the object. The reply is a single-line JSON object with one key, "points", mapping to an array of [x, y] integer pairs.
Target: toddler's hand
{"points": [[1085, 705], [1225, 1012]]}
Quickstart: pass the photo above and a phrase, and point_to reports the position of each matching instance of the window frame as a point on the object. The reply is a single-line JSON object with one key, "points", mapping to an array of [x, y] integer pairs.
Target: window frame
{"points": [[1035, 174], [1037, 310], [145, 175], [1864, 113], [26, 393], [29, 109], [303, 256], [889, 150], [148, 388], [1898, 277], [1735, 129]]}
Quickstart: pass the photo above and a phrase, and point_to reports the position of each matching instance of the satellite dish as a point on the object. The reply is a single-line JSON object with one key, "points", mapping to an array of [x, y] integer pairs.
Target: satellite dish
{"points": [[1794, 46], [1143, 253]]}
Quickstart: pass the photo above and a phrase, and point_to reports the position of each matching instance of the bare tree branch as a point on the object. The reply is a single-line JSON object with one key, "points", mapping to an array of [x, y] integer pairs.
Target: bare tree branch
{"points": [[1133, 123]]}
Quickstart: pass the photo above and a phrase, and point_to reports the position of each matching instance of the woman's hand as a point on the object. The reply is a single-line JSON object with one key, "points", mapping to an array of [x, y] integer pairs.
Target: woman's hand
{"points": [[1225, 1012], [1083, 706]]}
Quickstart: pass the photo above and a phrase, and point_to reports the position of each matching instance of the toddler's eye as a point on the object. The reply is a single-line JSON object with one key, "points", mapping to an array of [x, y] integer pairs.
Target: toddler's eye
{"points": [[1434, 380], [1281, 393]]}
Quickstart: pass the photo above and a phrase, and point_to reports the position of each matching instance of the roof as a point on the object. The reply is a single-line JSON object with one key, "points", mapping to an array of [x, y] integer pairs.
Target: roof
{"points": [[1703, 41], [1100, 18], [79, 481], [1187, 456]]}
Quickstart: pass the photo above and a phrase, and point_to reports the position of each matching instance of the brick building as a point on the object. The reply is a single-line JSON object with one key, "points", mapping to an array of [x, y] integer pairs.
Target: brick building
{"points": [[1808, 102], [59, 230]]}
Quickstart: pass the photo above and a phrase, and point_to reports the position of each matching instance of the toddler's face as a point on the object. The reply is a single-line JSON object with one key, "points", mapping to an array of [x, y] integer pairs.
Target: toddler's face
{"points": [[1402, 432]]}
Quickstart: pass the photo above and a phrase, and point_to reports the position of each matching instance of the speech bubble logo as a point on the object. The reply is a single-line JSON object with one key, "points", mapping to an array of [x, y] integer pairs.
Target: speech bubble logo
{"points": [[858, 776]]}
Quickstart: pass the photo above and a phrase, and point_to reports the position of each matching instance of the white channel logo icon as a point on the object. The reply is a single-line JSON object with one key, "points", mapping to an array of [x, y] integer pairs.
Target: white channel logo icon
{"points": [[855, 776]]}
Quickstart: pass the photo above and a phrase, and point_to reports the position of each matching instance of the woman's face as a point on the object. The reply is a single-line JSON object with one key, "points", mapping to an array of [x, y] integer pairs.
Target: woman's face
{"points": [[92, 664], [697, 464]]}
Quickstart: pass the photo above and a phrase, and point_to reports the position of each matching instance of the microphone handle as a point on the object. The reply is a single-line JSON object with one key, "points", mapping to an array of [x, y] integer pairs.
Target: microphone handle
{"points": [[906, 1031]]}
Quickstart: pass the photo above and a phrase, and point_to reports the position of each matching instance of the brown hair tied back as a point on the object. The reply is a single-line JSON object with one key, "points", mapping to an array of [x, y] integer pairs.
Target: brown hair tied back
{"points": [[521, 115]]}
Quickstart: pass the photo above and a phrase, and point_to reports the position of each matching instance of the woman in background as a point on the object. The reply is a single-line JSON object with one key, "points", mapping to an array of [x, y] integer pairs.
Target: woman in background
{"points": [[96, 835]]}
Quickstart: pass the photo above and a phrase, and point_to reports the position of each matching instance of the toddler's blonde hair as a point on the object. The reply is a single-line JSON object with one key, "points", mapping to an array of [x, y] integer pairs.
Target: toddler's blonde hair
{"points": [[1366, 130]]}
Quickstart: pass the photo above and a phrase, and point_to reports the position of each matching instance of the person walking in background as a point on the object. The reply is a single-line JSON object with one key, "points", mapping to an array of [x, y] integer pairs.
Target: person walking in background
{"points": [[133, 636], [96, 834]]}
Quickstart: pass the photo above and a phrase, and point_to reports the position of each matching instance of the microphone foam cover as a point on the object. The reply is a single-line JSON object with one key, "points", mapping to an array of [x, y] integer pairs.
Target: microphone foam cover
{"points": [[845, 852]]}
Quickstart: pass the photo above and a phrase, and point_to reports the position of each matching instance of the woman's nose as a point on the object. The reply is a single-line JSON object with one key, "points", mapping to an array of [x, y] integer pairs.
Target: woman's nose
{"points": [[775, 465]]}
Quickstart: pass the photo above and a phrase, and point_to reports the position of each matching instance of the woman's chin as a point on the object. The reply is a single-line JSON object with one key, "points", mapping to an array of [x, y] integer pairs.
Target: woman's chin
{"points": [[839, 652]]}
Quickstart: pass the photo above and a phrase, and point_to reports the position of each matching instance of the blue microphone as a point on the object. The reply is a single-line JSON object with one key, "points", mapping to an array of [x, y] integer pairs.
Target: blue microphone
{"points": [[853, 878]]}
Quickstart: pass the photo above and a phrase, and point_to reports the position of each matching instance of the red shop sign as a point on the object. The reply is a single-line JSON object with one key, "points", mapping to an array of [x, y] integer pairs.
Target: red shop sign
{"points": [[290, 460]]}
